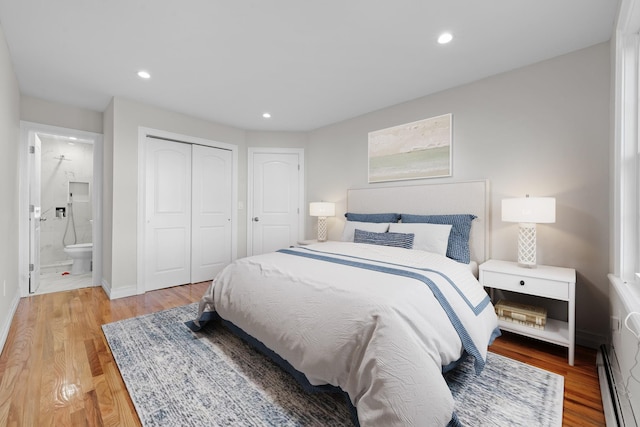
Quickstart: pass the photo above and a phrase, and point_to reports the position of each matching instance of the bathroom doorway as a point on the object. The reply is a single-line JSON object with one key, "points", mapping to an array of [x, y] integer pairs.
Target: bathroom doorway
{"points": [[64, 204]]}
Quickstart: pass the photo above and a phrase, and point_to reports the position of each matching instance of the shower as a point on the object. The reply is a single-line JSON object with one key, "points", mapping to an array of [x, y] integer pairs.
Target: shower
{"points": [[81, 254], [71, 221]]}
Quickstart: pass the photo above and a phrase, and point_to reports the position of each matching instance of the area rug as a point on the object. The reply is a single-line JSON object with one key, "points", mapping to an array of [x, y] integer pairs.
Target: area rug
{"points": [[177, 377]]}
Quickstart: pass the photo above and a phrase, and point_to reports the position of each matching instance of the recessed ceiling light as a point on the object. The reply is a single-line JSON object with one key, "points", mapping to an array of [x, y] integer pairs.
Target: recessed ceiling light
{"points": [[144, 75], [445, 38], [266, 115]]}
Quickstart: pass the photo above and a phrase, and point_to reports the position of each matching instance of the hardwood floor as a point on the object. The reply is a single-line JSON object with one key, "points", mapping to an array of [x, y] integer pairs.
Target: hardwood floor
{"points": [[57, 370], [582, 399]]}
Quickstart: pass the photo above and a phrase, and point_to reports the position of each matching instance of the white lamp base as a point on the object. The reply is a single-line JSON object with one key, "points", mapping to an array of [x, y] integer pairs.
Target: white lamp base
{"points": [[322, 229], [527, 245]]}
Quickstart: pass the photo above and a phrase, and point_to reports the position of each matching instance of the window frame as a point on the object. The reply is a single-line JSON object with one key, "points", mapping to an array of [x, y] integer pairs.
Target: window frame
{"points": [[625, 256]]}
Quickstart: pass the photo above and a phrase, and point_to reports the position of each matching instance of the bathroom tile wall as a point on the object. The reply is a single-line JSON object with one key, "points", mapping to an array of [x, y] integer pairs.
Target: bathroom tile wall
{"points": [[62, 163]]}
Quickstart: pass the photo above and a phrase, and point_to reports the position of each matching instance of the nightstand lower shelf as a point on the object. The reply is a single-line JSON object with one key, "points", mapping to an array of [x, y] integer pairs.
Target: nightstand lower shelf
{"points": [[555, 331]]}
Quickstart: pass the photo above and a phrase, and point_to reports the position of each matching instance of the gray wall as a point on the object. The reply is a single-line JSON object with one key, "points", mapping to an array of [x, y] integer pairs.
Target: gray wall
{"points": [[122, 120], [119, 124], [9, 185], [55, 114], [107, 193], [541, 130]]}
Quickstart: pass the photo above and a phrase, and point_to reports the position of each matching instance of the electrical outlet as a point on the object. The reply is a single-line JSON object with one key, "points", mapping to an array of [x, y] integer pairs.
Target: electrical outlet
{"points": [[614, 323]]}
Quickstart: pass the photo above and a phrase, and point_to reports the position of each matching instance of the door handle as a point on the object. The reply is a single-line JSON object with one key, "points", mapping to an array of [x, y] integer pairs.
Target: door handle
{"points": [[256, 219]]}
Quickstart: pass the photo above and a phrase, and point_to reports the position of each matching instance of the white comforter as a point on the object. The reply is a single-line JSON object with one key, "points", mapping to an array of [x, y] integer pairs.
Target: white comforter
{"points": [[384, 339]]}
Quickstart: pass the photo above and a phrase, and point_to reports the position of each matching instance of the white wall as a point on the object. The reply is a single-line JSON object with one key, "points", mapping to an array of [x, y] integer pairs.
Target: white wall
{"points": [[121, 172], [624, 344], [541, 130], [9, 185]]}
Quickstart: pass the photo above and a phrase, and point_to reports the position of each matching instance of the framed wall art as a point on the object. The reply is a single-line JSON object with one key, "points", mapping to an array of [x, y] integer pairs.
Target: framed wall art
{"points": [[414, 150]]}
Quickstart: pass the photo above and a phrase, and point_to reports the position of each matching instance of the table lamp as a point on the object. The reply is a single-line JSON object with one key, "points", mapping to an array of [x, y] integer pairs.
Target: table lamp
{"points": [[528, 211], [322, 210]]}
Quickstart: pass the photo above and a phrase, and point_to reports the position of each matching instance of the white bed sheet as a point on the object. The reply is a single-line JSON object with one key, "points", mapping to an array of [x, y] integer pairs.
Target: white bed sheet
{"points": [[382, 338]]}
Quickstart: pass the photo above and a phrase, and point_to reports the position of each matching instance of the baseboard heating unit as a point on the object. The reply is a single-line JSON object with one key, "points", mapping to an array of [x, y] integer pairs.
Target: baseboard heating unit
{"points": [[616, 401]]}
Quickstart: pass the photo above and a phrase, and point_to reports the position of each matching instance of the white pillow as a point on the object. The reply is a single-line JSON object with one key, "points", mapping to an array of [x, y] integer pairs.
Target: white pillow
{"points": [[427, 237], [350, 228]]}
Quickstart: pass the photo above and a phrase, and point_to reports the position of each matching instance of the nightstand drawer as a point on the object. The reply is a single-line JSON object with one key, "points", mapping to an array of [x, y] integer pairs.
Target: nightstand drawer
{"points": [[527, 285]]}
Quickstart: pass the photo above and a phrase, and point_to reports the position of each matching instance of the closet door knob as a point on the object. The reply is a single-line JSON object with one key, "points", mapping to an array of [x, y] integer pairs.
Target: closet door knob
{"points": [[256, 219], [521, 282]]}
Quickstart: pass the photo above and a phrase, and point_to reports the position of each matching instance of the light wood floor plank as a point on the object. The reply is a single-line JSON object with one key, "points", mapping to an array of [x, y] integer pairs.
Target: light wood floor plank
{"points": [[56, 368]]}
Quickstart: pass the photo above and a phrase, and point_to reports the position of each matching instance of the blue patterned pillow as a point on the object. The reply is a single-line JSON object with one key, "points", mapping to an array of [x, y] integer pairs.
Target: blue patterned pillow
{"points": [[458, 247], [399, 240], [382, 217]]}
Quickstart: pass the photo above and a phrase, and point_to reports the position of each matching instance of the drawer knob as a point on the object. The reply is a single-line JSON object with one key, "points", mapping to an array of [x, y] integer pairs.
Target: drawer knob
{"points": [[521, 282]]}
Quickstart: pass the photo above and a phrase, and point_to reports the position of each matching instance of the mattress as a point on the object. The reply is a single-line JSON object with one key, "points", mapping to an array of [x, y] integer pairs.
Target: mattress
{"points": [[381, 323]]}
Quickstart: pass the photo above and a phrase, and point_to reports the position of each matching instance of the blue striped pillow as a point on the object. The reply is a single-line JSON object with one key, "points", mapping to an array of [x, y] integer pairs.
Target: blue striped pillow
{"points": [[458, 248], [398, 240], [381, 217]]}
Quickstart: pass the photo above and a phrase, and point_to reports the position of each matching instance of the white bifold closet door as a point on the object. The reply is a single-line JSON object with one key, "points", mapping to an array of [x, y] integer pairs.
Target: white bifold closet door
{"points": [[188, 212], [210, 211]]}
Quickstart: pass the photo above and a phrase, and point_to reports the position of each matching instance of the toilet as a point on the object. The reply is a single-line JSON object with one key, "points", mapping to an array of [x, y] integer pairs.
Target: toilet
{"points": [[81, 255]]}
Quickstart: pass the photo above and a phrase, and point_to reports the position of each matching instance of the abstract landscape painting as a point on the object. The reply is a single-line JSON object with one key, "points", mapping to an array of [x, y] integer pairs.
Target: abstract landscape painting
{"points": [[414, 150]]}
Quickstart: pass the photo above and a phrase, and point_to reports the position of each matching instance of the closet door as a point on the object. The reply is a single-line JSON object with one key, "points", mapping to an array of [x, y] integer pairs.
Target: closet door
{"points": [[167, 213], [211, 212]]}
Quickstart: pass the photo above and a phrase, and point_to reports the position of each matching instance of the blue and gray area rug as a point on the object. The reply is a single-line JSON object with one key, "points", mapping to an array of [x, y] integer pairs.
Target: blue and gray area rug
{"points": [[179, 378]]}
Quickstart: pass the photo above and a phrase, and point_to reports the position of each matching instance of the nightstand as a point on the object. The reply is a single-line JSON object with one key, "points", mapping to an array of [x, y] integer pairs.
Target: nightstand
{"points": [[544, 281]]}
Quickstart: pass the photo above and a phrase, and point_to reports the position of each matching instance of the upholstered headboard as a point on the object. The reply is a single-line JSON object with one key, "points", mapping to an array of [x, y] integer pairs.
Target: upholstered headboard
{"points": [[470, 197]]}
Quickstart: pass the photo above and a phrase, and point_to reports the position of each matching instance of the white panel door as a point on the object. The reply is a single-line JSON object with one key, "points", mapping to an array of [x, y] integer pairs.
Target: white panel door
{"points": [[211, 212], [167, 214], [35, 171], [275, 220]]}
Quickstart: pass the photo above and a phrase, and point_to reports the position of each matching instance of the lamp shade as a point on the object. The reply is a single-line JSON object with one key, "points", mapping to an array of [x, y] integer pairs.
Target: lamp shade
{"points": [[529, 210], [322, 209]]}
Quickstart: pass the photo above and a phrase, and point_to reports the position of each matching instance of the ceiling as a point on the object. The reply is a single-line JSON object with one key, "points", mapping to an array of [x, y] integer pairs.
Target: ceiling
{"points": [[308, 63]]}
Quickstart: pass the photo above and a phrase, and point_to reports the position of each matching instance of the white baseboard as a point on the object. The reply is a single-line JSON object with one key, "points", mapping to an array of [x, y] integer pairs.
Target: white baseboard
{"points": [[6, 322], [121, 292]]}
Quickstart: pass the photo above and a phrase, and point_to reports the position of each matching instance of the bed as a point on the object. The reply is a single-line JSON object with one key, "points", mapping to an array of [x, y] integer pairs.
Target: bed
{"points": [[381, 315]]}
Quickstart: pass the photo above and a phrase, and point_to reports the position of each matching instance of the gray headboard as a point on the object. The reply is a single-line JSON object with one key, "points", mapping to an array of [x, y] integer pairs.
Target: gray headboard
{"points": [[469, 197]]}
